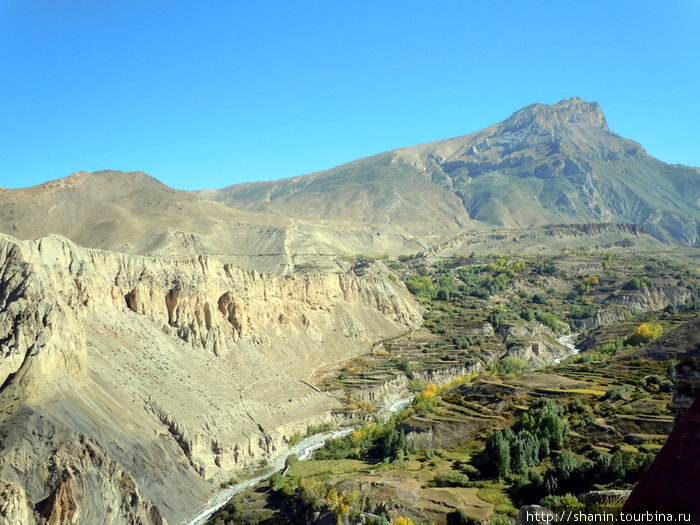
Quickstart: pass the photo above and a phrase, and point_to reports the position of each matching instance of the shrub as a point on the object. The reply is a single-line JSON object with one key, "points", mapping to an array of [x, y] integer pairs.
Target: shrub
{"points": [[275, 480], [317, 429], [666, 386], [671, 368], [425, 405], [294, 439], [430, 391], [497, 318], [443, 294], [527, 314], [404, 365], [549, 320], [617, 392], [460, 517], [291, 459], [451, 479], [653, 379], [582, 312], [544, 268], [420, 285], [539, 299], [469, 470], [635, 283], [337, 448], [561, 503], [509, 365], [573, 296]]}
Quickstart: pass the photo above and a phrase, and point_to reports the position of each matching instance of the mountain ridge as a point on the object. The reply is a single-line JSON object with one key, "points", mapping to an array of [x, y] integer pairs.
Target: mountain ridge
{"points": [[545, 164], [542, 165]]}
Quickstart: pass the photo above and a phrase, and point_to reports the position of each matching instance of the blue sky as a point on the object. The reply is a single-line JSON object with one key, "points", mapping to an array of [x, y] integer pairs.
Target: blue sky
{"points": [[211, 93]]}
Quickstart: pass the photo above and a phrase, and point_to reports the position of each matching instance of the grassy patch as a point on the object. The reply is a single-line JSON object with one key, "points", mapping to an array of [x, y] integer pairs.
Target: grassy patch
{"points": [[564, 391], [496, 495], [308, 468]]}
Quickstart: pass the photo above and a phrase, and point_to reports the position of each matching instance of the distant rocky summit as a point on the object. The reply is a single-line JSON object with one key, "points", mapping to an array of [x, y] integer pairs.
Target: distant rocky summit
{"points": [[542, 165]]}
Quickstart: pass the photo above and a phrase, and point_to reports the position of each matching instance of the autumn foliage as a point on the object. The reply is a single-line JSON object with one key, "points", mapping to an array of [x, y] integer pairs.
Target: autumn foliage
{"points": [[645, 333]]}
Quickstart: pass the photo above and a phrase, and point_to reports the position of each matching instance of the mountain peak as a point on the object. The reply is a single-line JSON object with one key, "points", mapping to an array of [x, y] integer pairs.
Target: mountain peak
{"points": [[567, 112], [101, 178]]}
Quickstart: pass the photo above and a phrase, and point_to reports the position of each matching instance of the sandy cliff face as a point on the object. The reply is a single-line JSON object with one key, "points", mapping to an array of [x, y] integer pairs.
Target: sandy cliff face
{"points": [[14, 507], [131, 385]]}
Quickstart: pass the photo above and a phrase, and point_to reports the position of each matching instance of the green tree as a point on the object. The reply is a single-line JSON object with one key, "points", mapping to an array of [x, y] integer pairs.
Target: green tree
{"points": [[393, 444], [565, 464], [503, 459]]}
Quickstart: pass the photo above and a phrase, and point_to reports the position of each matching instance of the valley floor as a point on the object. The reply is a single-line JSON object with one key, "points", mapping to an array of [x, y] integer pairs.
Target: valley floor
{"points": [[492, 427]]}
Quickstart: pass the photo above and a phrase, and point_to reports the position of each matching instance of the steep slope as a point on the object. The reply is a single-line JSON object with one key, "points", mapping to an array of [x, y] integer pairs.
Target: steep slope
{"points": [[131, 386], [543, 165], [384, 189]]}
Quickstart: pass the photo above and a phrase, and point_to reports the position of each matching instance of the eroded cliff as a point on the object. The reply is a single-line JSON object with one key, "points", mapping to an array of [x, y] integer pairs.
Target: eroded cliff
{"points": [[131, 385]]}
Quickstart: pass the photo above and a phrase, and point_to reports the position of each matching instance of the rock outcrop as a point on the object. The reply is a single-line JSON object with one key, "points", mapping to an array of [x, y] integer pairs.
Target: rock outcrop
{"points": [[14, 507], [132, 385], [533, 343], [651, 299]]}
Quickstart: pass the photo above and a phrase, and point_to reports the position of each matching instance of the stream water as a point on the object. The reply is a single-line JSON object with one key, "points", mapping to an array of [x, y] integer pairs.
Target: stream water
{"points": [[302, 450], [568, 341], [306, 448]]}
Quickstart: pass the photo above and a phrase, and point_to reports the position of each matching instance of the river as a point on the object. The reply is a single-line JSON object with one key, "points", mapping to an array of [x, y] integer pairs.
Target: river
{"points": [[302, 450], [568, 341], [306, 447]]}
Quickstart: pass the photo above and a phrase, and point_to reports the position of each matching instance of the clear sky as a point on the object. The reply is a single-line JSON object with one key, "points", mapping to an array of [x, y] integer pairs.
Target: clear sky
{"points": [[210, 93]]}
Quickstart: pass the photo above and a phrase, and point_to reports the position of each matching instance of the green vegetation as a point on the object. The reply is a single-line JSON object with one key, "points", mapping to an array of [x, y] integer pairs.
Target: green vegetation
{"points": [[373, 441], [451, 479], [404, 365], [539, 431], [636, 283], [571, 475], [490, 441], [421, 285], [509, 365]]}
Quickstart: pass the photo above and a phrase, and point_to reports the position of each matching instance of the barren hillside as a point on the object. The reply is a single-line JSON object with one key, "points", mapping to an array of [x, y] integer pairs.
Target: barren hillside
{"points": [[129, 381]]}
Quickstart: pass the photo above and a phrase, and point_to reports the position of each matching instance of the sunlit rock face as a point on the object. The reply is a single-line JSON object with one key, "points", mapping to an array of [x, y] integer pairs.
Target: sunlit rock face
{"points": [[132, 384]]}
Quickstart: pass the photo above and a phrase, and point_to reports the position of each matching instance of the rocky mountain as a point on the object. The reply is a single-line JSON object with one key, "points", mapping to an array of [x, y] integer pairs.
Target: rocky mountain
{"points": [[542, 165], [154, 342]]}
